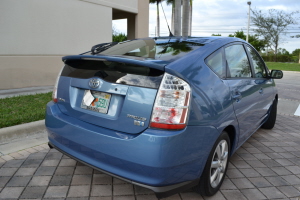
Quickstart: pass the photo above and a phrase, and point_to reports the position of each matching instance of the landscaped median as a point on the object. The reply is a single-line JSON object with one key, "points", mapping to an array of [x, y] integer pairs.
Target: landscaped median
{"points": [[23, 109], [284, 66]]}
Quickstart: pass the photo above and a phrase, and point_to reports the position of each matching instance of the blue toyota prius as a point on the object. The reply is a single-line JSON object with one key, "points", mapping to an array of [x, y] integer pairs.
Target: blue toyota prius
{"points": [[162, 113]]}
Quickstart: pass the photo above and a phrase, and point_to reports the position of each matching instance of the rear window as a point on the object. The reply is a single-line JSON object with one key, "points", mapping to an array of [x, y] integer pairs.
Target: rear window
{"points": [[158, 49], [114, 72]]}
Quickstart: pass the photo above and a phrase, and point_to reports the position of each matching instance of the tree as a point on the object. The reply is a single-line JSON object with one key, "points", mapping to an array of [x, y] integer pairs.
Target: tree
{"points": [[295, 36], [117, 36], [185, 18], [296, 53], [191, 17], [114, 30], [157, 19], [282, 51], [273, 25], [172, 2], [254, 40], [177, 18], [175, 47]]}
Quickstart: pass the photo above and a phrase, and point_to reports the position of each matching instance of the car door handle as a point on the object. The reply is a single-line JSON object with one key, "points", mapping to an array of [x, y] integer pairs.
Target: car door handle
{"points": [[261, 91]]}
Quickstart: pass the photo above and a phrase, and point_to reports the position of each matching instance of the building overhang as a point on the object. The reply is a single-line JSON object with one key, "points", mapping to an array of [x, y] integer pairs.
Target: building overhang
{"points": [[128, 5]]}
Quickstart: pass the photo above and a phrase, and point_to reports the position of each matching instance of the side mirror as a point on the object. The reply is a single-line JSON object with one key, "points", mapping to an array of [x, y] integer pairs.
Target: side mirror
{"points": [[276, 74]]}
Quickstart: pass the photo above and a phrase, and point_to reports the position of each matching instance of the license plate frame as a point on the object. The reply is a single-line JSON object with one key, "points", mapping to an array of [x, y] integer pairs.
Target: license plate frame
{"points": [[100, 103]]}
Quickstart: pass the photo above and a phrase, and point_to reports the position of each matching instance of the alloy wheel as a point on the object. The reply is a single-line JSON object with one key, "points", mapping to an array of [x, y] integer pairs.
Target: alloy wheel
{"points": [[219, 163]]}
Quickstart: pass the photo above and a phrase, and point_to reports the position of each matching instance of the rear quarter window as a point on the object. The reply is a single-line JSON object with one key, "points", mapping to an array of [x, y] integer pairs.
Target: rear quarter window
{"points": [[216, 63]]}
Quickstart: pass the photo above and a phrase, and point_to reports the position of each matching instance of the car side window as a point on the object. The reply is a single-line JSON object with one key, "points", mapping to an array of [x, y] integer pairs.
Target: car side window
{"points": [[258, 65], [237, 62], [215, 62]]}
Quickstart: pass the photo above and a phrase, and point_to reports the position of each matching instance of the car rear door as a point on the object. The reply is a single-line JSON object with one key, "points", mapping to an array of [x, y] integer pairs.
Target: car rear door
{"points": [[244, 90]]}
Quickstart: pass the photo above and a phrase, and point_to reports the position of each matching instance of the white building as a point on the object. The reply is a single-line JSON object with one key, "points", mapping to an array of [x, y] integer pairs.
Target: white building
{"points": [[35, 34]]}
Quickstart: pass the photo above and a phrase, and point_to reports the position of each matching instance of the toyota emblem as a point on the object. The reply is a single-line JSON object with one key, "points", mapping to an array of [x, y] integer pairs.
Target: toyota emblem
{"points": [[94, 83]]}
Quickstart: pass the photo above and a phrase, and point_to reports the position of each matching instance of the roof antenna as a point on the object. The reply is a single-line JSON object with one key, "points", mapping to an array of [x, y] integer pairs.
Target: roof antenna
{"points": [[170, 33]]}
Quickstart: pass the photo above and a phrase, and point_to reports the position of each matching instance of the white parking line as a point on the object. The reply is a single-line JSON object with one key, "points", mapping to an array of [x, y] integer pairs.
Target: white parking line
{"points": [[298, 111]]}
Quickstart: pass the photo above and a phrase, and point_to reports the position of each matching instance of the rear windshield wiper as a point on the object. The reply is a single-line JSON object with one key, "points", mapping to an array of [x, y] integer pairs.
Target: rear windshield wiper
{"points": [[102, 47]]}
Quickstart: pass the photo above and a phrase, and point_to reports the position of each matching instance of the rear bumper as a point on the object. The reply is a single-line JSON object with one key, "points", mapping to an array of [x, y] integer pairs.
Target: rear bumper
{"points": [[161, 192], [156, 159]]}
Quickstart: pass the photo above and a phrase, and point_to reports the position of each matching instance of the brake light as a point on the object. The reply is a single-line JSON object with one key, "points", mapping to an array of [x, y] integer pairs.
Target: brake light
{"points": [[54, 93], [171, 104]]}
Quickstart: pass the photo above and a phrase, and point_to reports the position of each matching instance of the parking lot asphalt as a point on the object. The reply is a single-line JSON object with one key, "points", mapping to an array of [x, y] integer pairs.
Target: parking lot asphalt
{"points": [[265, 167], [289, 93]]}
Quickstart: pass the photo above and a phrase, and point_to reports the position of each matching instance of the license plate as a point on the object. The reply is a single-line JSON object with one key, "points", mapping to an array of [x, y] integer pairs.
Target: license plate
{"points": [[96, 101]]}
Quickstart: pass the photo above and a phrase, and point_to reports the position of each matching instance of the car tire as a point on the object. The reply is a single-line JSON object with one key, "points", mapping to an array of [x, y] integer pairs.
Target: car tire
{"points": [[269, 124], [216, 166]]}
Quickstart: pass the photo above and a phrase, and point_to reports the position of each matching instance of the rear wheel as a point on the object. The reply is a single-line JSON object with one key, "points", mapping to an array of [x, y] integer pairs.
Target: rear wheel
{"points": [[269, 124], [215, 168]]}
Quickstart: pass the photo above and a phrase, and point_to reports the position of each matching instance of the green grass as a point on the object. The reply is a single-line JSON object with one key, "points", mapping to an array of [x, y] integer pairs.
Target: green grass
{"points": [[284, 66], [23, 109]]}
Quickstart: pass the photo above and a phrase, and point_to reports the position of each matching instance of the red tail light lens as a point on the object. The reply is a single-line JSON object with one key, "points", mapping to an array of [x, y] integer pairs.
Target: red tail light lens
{"points": [[171, 104], [54, 93]]}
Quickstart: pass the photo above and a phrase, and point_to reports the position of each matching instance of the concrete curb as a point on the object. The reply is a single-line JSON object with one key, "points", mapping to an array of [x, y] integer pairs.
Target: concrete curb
{"points": [[25, 91], [20, 131], [288, 107]]}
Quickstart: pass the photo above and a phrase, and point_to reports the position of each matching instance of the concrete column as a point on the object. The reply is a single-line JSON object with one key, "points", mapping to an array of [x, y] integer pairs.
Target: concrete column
{"points": [[191, 17], [177, 18], [142, 19], [172, 21], [131, 27]]}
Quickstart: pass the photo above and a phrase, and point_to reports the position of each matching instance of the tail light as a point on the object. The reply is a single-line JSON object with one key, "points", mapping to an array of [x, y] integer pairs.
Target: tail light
{"points": [[171, 104], [54, 93]]}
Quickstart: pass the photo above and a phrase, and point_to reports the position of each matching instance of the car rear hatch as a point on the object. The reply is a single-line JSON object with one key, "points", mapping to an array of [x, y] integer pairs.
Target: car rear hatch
{"points": [[117, 93]]}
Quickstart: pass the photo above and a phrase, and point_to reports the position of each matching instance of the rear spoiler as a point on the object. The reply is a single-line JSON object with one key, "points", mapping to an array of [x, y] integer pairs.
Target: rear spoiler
{"points": [[156, 64]]}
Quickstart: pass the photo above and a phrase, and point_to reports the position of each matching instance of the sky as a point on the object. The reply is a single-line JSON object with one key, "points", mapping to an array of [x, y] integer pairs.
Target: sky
{"points": [[223, 17]]}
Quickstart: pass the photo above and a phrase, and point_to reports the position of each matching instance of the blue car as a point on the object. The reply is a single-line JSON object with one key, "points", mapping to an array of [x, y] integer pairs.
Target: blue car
{"points": [[162, 113]]}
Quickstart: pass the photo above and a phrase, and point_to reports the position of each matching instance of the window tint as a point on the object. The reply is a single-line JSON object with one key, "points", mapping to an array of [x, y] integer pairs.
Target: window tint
{"points": [[258, 65], [238, 64], [114, 72], [215, 62], [167, 49]]}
